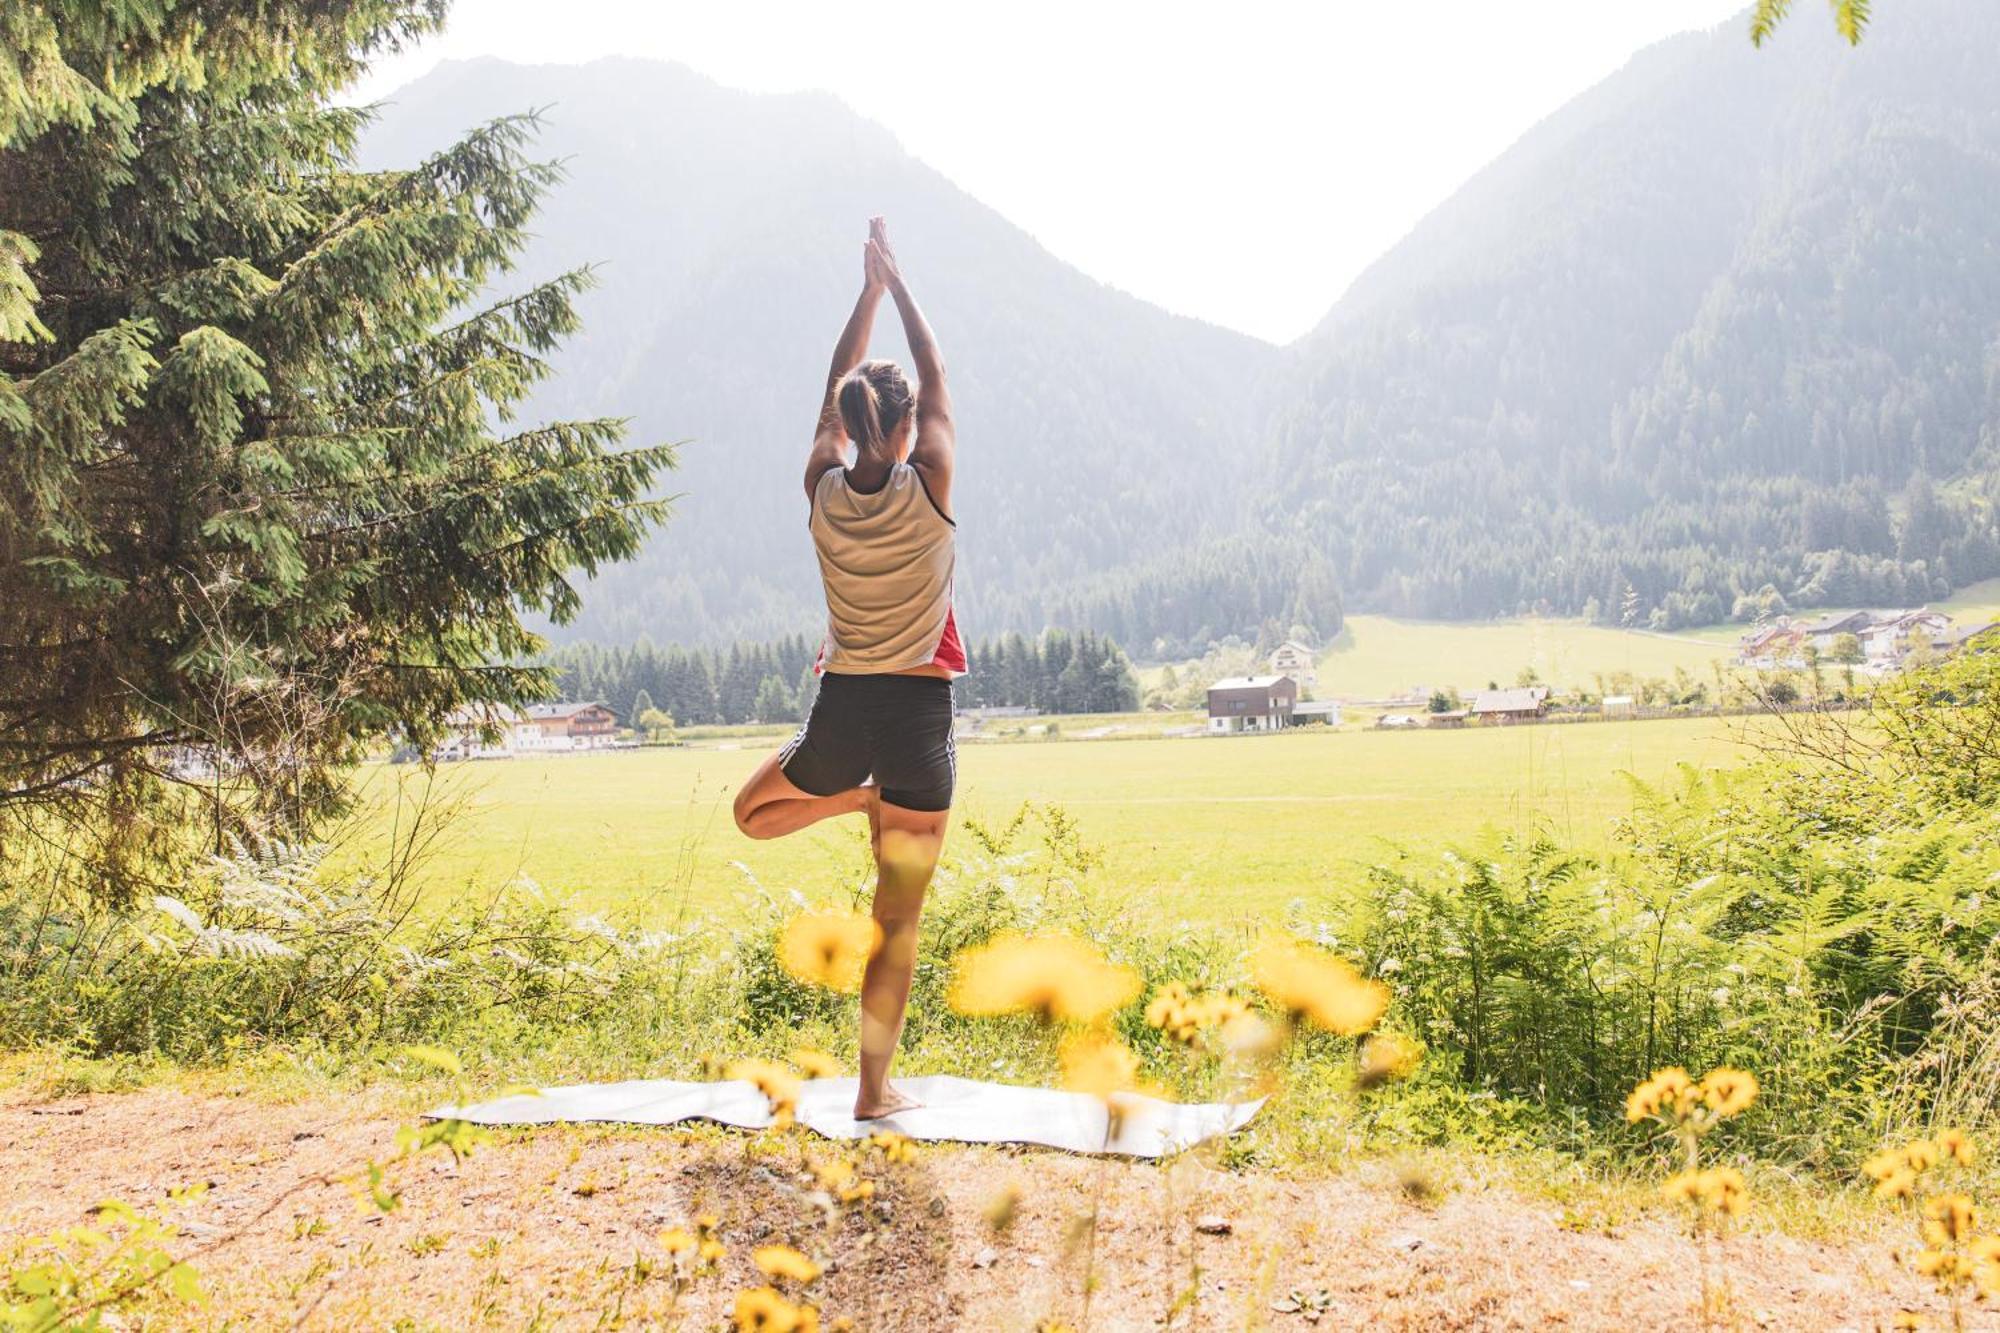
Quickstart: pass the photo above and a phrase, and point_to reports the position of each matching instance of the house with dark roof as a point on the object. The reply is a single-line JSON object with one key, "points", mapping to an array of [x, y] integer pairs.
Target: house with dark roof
{"points": [[1953, 640], [584, 726]]}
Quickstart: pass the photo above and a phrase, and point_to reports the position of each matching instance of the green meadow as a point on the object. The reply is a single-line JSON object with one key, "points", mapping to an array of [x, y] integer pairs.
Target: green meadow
{"points": [[1378, 656], [1207, 829]]}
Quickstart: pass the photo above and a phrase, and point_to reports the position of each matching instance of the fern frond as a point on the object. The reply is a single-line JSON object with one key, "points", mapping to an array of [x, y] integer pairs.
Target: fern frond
{"points": [[1768, 15], [1851, 17]]}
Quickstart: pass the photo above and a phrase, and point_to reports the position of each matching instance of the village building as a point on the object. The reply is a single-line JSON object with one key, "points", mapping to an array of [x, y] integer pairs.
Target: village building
{"points": [[1523, 704], [1892, 634], [1294, 659], [1251, 703], [1953, 640], [1776, 644], [1886, 638], [1325, 712], [479, 731], [585, 726]]}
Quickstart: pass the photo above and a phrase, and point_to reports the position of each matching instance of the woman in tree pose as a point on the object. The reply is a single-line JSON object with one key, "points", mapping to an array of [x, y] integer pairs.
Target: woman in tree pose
{"points": [[878, 741]]}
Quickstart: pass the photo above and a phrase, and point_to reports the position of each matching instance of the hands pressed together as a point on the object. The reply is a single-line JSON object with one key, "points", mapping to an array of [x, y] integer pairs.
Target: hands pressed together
{"points": [[878, 261]]}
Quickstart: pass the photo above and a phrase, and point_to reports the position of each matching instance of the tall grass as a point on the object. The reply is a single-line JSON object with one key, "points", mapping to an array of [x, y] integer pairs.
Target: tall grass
{"points": [[1835, 937]]}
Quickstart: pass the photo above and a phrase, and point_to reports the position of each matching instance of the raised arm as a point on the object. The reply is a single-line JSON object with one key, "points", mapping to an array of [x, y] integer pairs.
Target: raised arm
{"points": [[829, 446], [932, 453]]}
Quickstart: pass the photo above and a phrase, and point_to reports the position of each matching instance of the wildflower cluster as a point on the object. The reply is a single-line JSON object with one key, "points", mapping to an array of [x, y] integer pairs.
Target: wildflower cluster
{"points": [[842, 1179], [1718, 1191], [1955, 1257], [1895, 1170], [829, 949], [1386, 1058], [1098, 1064], [697, 1252], [769, 1309], [1674, 1098], [1691, 1109], [1187, 1016], [1055, 980], [1318, 987], [1714, 1195], [779, 1085]]}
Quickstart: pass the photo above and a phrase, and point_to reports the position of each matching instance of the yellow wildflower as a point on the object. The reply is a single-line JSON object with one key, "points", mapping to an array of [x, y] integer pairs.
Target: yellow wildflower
{"points": [[829, 949], [815, 1064], [1724, 1191], [895, 1148], [1728, 1091], [1168, 1007], [1321, 987], [1921, 1155], [1957, 1145], [835, 1173], [1683, 1188], [1985, 1252], [779, 1085], [1053, 979], [1250, 1036], [1098, 1065], [712, 1252], [676, 1241], [1386, 1058], [1900, 1183], [1669, 1092], [1949, 1220], [1719, 1190], [763, 1310], [1883, 1164], [782, 1261]]}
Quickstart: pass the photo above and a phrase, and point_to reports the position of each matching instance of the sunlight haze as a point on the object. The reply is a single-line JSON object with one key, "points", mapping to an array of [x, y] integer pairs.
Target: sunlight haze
{"points": [[1242, 171]]}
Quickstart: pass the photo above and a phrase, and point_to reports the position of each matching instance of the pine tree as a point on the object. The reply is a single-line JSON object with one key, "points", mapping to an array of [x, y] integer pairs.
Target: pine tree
{"points": [[773, 702], [262, 495]]}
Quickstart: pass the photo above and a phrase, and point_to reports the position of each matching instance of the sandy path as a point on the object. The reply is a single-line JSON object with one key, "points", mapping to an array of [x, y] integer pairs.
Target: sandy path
{"points": [[541, 1230]]}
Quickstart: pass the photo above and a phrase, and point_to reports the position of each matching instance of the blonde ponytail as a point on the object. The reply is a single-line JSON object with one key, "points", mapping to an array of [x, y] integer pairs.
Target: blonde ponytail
{"points": [[861, 412], [874, 399]]}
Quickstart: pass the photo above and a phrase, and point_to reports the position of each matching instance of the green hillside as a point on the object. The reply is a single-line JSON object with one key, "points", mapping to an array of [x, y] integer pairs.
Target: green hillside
{"points": [[1377, 656]]}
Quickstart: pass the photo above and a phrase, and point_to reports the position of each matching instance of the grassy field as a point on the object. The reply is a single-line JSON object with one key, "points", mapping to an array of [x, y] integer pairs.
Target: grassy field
{"points": [[1210, 829]]}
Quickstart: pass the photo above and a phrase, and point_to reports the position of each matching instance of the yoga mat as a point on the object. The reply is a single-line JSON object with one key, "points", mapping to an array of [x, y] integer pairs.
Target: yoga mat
{"points": [[955, 1110]]}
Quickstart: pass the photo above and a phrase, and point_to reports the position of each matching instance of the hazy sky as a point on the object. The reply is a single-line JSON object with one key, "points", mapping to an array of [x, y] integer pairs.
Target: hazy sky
{"points": [[1238, 163]]}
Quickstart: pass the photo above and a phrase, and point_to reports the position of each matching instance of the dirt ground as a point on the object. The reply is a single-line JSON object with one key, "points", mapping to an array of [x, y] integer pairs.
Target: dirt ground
{"points": [[555, 1228]]}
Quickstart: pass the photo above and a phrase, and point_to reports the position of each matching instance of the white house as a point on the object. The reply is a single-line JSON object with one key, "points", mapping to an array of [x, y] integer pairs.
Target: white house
{"points": [[1294, 659], [479, 731], [587, 726]]}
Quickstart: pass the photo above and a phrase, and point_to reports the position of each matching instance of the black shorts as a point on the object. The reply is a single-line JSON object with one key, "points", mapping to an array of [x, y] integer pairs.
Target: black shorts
{"points": [[895, 728]]}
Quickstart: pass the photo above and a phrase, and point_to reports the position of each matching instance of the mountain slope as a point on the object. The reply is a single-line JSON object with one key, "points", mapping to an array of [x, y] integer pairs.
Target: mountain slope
{"points": [[729, 227], [1730, 319]]}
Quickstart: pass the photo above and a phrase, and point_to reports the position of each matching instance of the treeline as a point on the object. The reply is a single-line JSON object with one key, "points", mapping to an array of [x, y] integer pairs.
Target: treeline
{"points": [[1056, 672]]}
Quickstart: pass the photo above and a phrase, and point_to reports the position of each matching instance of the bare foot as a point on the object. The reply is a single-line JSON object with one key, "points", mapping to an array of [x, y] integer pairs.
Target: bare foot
{"points": [[891, 1101]]}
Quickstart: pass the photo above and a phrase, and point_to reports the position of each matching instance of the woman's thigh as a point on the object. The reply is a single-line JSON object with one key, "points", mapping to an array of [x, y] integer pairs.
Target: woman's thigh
{"points": [[916, 759]]}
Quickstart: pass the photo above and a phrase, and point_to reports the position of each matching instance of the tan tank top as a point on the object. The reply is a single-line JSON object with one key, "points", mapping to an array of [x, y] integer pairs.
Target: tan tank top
{"points": [[886, 560]]}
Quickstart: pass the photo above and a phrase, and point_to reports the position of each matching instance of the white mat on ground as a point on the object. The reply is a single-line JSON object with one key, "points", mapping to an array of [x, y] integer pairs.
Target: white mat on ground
{"points": [[960, 1110]]}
